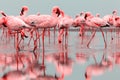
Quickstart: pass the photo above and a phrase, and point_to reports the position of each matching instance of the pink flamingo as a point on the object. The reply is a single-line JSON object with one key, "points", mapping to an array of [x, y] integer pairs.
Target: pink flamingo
{"points": [[15, 25], [64, 22], [27, 19], [95, 22], [44, 22], [79, 21], [110, 19]]}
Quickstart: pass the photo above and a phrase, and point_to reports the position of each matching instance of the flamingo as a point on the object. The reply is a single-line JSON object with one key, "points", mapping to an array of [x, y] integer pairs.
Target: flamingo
{"points": [[64, 23], [25, 18], [95, 22], [80, 21], [110, 19], [15, 25], [44, 22]]}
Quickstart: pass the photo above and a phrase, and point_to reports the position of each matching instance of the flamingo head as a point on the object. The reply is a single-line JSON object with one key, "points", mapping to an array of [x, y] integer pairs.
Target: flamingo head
{"points": [[2, 13], [114, 12], [81, 13], [56, 10], [24, 8], [87, 14], [97, 15]]}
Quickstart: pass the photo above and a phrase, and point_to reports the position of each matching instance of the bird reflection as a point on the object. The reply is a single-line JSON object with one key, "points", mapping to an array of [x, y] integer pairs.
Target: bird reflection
{"points": [[97, 69]]}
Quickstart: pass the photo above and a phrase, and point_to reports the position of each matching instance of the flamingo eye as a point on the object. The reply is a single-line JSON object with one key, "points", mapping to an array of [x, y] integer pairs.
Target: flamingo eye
{"points": [[32, 22]]}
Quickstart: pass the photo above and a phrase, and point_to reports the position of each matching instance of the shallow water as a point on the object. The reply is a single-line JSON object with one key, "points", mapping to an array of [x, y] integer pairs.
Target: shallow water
{"points": [[79, 55]]}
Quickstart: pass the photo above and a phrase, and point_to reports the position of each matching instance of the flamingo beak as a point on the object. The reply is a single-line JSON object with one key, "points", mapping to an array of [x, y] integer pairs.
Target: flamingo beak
{"points": [[85, 16], [58, 12], [22, 12]]}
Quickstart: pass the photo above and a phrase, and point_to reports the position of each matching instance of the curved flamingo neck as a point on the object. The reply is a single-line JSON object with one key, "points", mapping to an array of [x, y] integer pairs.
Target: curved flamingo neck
{"points": [[62, 13]]}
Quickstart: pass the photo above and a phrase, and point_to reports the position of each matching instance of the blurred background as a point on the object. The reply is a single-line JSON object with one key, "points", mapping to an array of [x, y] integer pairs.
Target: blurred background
{"points": [[71, 7]]}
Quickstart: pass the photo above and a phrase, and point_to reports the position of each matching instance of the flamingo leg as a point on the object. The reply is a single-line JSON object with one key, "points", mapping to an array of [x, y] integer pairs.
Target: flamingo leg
{"points": [[60, 35], [39, 38], [93, 34], [81, 33], [35, 41], [54, 34], [43, 49], [49, 35], [17, 39], [31, 36], [103, 38]]}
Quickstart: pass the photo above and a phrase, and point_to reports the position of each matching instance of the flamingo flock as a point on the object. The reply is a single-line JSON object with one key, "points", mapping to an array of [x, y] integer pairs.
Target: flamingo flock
{"points": [[36, 27]]}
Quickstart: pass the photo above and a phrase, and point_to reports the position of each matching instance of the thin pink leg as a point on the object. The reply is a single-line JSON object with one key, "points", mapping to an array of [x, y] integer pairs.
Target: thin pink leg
{"points": [[103, 38], [43, 49], [49, 35], [60, 35], [81, 33], [93, 34], [54, 34]]}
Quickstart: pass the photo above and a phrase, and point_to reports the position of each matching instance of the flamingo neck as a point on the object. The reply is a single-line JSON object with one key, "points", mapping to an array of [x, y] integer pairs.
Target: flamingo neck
{"points": [[62, 13]]}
